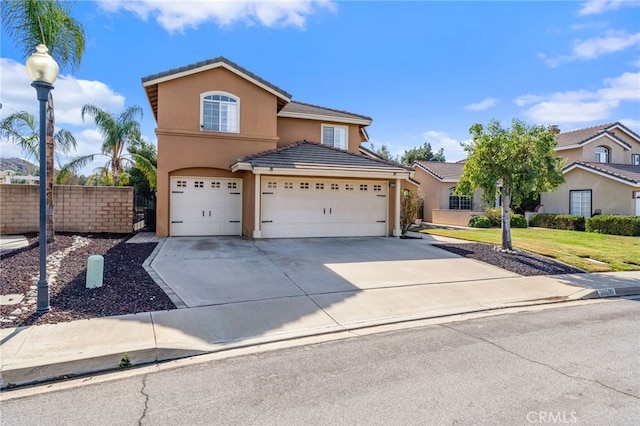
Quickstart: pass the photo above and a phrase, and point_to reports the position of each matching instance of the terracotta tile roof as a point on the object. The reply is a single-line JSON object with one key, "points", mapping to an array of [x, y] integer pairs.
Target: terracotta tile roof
{"points": [[626, 172], [442, 170], [582, 136], [299, 154], [305, 108], [217, 59]]}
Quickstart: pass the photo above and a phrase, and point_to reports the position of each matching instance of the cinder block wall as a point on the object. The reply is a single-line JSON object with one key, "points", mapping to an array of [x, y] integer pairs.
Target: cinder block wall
{"points": [[76, 209]]}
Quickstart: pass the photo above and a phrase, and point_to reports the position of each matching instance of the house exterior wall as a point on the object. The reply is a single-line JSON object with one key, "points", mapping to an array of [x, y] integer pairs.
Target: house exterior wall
{"points": [[76, 209], [617, 154], [608, 196], [436, 197], [292, 130]]}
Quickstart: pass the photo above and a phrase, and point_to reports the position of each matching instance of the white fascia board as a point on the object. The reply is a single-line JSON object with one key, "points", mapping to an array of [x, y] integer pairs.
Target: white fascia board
{"points": [[598, 172], [622, 129], [332, 172], [326, 118], [612, 138], [236, 167], [213, 66]]}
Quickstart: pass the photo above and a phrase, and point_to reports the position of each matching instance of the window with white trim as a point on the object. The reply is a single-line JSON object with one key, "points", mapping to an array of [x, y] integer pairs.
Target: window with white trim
{"points": [[602, 154], [458, 202], [219, 112], [580, 203], [335, 136], [635, 159]]}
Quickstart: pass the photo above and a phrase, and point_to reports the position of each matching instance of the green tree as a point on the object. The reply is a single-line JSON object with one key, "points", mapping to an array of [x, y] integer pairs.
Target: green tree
{"points": [[119, 133], [21, 129], [48, 22], [422, 153], [142, 174], [514, 162], [383, 152]]}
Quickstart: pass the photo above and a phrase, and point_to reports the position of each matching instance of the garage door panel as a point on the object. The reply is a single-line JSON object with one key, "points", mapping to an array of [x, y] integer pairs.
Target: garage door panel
{"points": [[205, 206], [299, 207]]}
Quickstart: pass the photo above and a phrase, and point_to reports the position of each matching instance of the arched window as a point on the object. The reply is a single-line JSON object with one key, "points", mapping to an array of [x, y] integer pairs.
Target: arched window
{"points": [[602, 154], [220, 112], [458, 202]]}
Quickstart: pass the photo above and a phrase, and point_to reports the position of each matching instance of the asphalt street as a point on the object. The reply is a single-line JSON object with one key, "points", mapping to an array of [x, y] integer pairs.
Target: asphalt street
{"points": [[565, 365]]}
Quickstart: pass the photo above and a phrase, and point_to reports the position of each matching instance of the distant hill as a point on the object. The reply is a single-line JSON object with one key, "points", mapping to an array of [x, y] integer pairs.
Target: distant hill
{"points": [[19, 165]]}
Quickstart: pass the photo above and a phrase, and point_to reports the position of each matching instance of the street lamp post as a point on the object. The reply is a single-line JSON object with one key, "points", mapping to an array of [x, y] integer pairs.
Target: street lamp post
{"points": [[43, 71]]}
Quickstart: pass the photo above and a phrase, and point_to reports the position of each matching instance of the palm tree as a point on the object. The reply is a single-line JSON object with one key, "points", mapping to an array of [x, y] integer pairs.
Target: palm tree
{"points": [[32, 22], [21, 128], [119, 132]]}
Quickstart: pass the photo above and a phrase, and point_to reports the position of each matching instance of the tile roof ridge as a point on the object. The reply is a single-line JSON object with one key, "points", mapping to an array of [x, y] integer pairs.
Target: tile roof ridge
{"points": [[598, 167], [330, 109], [428, 169], [270, 151], [604, 127]]}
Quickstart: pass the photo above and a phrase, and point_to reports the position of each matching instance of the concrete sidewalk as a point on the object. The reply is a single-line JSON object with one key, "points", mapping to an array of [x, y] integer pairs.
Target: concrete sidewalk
{"points": [[40, 353]]}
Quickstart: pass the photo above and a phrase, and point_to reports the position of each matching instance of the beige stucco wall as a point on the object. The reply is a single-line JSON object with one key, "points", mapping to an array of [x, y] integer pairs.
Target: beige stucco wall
{"points": [[436, 196], [453, 217], [295, 129], [76, 209], [617, 154], [608, 196], [179, 102]]}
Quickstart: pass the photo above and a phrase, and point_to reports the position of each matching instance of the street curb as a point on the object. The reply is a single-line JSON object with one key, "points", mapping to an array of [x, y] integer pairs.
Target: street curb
{"points": [[603, 293], [23, 375]]}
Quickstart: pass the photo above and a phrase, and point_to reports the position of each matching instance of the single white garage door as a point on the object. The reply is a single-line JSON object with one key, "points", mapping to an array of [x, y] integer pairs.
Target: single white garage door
{"points": [[295, 207], [206, 206]]}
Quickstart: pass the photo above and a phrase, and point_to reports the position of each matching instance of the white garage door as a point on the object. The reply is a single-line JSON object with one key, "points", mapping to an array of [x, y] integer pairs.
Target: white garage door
{"points": [[294, 207], [206, 206]]}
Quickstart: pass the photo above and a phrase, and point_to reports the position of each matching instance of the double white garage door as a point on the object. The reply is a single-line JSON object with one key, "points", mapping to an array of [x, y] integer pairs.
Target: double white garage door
{"points": [[290, 207]]}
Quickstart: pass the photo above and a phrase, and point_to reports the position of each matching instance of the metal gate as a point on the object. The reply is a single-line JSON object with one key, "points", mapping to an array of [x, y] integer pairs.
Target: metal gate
{"points": [[144, 211]]}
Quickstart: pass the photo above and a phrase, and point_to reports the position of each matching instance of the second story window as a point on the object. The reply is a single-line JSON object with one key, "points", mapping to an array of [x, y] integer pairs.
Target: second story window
{"points": [[602, 154], [220, 112], [335, 136]]}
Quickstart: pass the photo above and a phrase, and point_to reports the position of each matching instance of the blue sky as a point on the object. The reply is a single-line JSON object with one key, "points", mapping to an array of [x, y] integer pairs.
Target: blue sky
{"points": [[424, 71]]}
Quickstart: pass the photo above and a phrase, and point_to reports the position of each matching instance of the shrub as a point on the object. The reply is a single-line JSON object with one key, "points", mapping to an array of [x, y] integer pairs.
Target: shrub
{"points": [[614, 225], [518, 221], [558, 221], [495, 215], [479, 221]]}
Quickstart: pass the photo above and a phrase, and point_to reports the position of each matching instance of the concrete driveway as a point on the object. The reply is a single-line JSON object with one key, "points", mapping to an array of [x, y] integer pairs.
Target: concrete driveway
{"points": [[206, 271]]}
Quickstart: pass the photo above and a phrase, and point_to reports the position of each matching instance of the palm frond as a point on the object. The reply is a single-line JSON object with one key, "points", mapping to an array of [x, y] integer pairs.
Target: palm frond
{"points": [[147, 168], [19, 129], [64, 141]]}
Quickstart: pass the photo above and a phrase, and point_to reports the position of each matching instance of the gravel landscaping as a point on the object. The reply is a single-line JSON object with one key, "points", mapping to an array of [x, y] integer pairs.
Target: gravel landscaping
{"points": [[523, 263], [127, 288]]}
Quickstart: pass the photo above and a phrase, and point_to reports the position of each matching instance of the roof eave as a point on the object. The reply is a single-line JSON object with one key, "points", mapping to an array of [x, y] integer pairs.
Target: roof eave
{"points": [[318, 117], [573, 166]]}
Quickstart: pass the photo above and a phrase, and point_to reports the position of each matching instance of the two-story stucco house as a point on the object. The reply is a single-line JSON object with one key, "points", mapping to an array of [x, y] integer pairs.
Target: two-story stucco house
{"points": [[602, 172], [236, 156]]}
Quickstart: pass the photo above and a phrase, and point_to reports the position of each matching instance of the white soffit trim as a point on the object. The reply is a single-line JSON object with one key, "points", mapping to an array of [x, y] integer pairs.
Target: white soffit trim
{"points": [[598, 172], [210, 67], [344, 172], [613, 138], [329, 118]]}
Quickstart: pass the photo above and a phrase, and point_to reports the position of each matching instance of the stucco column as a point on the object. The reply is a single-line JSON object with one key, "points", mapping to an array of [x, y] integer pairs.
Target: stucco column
{"points": [[397, 231], [257, 233]]}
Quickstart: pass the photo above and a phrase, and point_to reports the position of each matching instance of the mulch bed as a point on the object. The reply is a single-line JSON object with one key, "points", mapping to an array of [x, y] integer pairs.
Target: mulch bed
{"points": [[523, 263], [127, 288]]}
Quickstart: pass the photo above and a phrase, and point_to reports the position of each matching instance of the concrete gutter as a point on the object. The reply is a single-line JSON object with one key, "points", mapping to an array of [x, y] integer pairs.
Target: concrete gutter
{"points": [[56, 351]]}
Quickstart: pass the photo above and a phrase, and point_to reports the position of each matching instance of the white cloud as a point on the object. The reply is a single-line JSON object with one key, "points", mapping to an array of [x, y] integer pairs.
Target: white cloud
{"points": [[482, 105], [580, 106], [176, 16], [592, 48], [69, 95], [452, 149], [595, 7]]}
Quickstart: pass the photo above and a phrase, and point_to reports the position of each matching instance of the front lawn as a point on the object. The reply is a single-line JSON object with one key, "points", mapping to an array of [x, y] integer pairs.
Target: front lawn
{"points": [[608, 252]]}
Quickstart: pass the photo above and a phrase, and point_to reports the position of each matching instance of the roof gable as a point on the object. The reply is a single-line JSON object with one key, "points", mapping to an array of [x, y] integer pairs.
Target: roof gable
{"points": [[580, 137], [444, 172], [150, 82], [625, 173]]}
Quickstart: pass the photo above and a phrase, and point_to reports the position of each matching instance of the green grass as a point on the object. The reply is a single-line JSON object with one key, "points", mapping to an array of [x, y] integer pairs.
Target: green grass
{"points": [[572, 247]]}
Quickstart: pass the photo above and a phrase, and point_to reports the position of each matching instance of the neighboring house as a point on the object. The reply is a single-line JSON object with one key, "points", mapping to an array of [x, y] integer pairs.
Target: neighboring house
{"points": [[602, 172], [438, 182], [236, 156]]}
